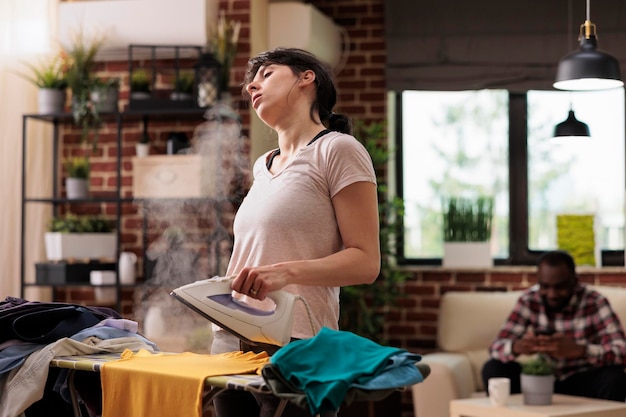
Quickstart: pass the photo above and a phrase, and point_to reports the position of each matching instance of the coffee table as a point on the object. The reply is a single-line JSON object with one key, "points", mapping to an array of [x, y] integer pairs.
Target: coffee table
{"points": [[562, 406]]}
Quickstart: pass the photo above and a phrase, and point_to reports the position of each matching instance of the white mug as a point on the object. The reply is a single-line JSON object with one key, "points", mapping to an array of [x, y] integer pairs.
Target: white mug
{"points": [[127, 267], [499, 391]]}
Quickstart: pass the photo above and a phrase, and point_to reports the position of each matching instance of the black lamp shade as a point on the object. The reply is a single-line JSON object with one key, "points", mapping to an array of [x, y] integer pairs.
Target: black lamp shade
{"points": [[571, 127], [588, 69]]}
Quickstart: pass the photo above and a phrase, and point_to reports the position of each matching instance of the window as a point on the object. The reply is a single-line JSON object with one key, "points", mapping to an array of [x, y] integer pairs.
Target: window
{"points": [[499, 143], [576, 175]]}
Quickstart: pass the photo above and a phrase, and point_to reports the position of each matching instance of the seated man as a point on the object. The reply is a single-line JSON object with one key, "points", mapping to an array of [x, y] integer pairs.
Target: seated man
{"points": [[572, 324]]}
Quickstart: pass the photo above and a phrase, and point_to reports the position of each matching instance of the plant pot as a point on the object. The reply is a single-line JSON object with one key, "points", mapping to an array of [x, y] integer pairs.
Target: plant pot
{"points": [[142, 149], [76, 188], [60, 246], [105, 100], [51, 100], [467, 255], [537, 389]]}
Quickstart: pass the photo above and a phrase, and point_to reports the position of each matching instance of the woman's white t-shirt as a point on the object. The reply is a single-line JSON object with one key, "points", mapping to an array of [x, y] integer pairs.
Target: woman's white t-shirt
{"points": [[289, 216]]}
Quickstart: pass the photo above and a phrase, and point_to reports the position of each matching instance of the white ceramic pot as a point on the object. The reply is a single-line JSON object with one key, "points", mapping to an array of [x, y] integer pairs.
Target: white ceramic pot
{"points": [[76, 188], [467, 255], [537, 389], [51, 100], [60, 246], [142, 149]]}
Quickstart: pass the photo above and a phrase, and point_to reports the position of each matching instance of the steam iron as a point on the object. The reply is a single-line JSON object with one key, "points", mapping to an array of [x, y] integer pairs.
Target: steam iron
{"points": [[212, 299]]}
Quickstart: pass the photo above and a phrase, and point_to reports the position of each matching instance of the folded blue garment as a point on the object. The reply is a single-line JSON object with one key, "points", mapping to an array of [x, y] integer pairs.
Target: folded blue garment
{"points": [[13, 356], [327, 365], [399, 372]]}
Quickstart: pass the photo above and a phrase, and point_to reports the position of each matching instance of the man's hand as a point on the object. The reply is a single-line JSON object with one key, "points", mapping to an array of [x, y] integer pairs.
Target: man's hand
{"points": [[560, 346], [557, 346], [527, 345]]}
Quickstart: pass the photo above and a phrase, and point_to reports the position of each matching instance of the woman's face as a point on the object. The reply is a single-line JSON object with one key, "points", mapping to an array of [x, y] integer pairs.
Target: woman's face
{"points": [[272, 91]]}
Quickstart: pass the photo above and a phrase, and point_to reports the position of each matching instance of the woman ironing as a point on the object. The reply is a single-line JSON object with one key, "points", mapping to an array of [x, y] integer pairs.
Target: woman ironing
{"points": [[309, 223]]}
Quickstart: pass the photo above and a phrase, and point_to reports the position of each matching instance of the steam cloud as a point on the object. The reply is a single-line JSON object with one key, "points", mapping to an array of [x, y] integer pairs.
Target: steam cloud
{"points": [[195, 234]]}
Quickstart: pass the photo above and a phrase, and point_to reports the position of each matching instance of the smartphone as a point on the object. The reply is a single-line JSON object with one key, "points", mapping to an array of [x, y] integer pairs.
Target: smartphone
{"points": [[544, 332]]}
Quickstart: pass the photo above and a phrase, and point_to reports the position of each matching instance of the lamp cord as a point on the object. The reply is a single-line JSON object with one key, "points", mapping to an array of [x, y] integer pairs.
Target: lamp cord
{"points": [[569, 22]]}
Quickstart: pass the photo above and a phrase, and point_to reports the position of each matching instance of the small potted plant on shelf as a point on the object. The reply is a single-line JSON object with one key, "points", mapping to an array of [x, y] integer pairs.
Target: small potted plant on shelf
{"points": [[104, 94], [537, 380], [183, 86], [77, 181], [467, 232], [49, 76], [140, 83], [73, 237]]}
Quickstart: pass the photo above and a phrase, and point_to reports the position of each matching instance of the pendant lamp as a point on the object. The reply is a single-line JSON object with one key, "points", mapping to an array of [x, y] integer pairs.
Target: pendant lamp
{"points": [[588, 68], [571, 127]]}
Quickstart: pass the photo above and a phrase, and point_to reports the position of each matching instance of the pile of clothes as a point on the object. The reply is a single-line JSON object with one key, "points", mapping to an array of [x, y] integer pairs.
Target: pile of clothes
{"points": [[32, 333]]}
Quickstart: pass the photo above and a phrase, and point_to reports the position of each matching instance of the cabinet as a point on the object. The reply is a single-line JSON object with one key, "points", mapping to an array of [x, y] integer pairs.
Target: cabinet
{"points": [[111, 202]]}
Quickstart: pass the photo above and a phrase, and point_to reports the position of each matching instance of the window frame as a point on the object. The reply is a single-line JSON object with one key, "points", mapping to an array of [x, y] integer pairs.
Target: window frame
{"points": [[519, 253]]}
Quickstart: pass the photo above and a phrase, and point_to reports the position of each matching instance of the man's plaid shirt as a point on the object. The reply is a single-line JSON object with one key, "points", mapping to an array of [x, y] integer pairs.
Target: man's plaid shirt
{"points": [[588, 319]]}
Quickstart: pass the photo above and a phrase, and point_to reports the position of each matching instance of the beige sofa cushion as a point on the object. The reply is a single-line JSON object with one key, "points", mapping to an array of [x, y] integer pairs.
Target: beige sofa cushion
{"points": [[470, 320]]}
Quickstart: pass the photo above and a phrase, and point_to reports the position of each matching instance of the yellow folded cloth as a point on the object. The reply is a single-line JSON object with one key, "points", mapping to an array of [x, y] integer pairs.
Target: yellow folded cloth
{"points": [[164, 385]]}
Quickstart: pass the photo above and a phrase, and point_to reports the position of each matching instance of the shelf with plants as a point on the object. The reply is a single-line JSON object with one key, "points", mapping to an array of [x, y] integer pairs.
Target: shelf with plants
{"points": [[86, 119], [110, 202]]}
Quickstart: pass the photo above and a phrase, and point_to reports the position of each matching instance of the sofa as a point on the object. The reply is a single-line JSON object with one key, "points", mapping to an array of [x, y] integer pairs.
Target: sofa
{"points": [[468, 322]]}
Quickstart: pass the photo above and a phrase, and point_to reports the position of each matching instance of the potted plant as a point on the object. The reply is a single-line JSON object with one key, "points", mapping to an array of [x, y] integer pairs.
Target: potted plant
{"points": [[537, 380], [49, 76], [467, 232], [80, 237], [80, 64], [77, 181], [104, 94], [223, 44], [140, 83], [183, 86]]}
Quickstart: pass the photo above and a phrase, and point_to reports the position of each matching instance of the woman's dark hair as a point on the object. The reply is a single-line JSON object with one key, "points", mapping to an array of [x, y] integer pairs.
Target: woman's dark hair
{"points": [[299, 61]]}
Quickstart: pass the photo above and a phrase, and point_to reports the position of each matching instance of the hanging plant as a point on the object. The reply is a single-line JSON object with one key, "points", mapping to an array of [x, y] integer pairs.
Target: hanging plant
{"points": [[79, 63], [222, 43]]}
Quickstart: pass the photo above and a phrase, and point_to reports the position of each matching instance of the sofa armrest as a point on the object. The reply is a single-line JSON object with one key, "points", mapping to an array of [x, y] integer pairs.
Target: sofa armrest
{"points": [[451, 377]]}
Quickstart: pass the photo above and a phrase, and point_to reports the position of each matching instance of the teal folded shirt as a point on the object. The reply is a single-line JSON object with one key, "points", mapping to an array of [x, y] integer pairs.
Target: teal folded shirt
{"points": [[327, 365]]}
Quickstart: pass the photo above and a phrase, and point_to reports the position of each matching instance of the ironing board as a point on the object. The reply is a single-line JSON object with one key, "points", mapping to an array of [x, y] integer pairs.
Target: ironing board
{"points": [[215, 384]]}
